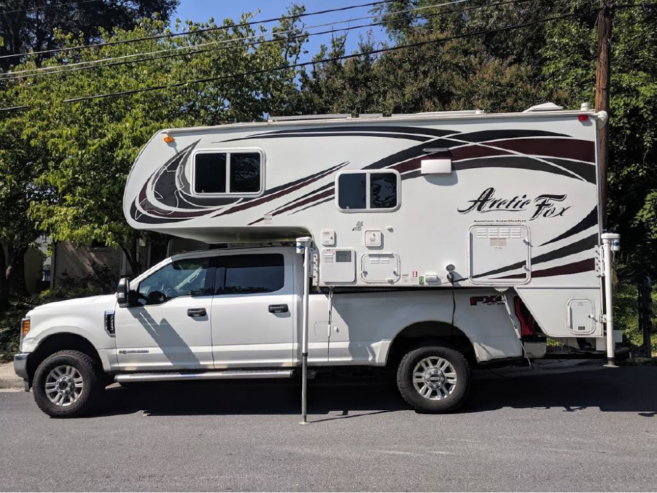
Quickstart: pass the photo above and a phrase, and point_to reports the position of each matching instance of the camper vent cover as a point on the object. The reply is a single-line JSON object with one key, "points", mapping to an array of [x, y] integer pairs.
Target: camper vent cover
{"points": [[490, 232]]}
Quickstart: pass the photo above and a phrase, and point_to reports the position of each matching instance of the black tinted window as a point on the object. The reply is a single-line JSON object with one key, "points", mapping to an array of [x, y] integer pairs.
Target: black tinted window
{"points": [[182, 278], [210, 173], [245, 172], [352, 191], [383, 190], [250, 274]]}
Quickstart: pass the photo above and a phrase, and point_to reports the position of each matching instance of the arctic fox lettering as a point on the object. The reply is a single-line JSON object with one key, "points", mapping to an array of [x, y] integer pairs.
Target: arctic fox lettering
{"points": [[545, 207]]}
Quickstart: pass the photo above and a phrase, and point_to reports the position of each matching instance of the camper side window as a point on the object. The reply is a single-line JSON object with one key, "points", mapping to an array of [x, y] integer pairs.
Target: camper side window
{"points": [[371, 190], [227, 173]]}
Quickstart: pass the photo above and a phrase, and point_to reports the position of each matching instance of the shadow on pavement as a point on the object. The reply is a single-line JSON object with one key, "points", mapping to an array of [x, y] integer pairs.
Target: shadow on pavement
{"points": [[629, 390]]}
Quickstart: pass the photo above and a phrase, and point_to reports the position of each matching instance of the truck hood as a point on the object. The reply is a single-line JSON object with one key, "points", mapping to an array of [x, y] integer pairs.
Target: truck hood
{"points": [[107, 300]]}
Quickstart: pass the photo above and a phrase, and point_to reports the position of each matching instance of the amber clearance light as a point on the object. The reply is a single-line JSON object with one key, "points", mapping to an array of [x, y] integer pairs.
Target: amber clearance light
{"points": [[168, 139], [25, 326]]}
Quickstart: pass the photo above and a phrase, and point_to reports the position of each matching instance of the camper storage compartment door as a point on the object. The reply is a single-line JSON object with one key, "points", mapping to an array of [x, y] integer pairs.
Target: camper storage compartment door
{"points": [[380, 267], [499, 254]]}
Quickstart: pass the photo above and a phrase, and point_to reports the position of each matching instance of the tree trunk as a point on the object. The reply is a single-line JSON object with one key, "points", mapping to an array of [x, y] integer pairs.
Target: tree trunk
{"points": [[132, 254], [4, 284], [16, 274]]}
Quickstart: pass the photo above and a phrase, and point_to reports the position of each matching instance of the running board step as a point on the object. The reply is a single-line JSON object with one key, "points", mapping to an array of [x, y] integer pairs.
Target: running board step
{"points": [[206, 375]]}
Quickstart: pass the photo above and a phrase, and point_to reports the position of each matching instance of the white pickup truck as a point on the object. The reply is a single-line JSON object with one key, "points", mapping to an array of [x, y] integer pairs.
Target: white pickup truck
{"points": [[232, 314]]}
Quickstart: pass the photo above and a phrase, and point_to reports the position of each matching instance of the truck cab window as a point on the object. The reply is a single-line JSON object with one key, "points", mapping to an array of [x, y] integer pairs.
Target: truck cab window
{"points": [[250, 274], [182, 278], [373, 190], [227, 173]]}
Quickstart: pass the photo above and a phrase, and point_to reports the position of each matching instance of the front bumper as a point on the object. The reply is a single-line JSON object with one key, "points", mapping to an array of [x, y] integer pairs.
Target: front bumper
{"points": [[20, 365]]}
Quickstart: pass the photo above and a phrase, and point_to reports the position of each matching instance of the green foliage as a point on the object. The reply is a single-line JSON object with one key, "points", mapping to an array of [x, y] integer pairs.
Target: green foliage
{"points": [[570, 53], [79, 154], [31, 27], [627, 316], [10, 322]]}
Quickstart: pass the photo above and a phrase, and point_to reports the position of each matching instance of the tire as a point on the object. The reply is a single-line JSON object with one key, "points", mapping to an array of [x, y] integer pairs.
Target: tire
{"points": [[434, 365], [73, 378]]}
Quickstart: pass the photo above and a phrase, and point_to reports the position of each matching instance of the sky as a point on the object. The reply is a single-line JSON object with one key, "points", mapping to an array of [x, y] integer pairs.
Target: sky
{"points": [[202, 10]]}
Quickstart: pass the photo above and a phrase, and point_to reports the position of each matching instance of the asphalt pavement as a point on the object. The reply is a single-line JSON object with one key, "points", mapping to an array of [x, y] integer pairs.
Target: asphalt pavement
{"points": [[593, 430]]}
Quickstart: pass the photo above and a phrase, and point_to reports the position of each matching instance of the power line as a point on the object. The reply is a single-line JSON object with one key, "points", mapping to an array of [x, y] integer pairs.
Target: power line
{"points": [[199, 31], [303, 64], [107, 62], [51, 6]]}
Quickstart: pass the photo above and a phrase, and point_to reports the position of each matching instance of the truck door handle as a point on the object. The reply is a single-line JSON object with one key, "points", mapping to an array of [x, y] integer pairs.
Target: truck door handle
{"points": [[196, 312], [278, 309]]}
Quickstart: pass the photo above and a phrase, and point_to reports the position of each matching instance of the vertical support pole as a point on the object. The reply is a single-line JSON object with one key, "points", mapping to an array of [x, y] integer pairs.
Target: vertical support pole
{"points": [[303, 246], [602, 84], [609, 240]]}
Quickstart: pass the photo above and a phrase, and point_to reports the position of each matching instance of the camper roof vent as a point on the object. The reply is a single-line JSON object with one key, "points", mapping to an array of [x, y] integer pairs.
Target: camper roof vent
{"points": [[308, 117], [370, 115], [543, 107]]}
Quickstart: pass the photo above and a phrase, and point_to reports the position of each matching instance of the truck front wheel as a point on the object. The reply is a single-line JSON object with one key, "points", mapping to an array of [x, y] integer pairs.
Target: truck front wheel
{"points": [[67, 384], [434, 379]]}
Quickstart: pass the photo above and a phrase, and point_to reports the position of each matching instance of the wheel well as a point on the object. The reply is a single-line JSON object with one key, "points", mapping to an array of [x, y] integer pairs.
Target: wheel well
{"points": [[60, 342], [427, 333]]}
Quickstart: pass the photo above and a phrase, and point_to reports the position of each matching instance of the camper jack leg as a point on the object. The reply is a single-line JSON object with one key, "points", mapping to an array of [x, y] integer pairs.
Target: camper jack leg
{"points": [[610, 243], [303, 246]]}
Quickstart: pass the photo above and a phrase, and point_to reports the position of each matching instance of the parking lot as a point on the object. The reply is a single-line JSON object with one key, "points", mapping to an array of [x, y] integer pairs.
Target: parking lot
{"points": [[585, 430]]}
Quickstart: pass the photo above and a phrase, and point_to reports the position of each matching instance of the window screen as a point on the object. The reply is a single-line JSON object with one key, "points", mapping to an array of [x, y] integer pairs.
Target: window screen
{"points": [[383, 190], [352, 191], [365, 191], [227, 173], [245, 172], [210, 173], [250, 274]]}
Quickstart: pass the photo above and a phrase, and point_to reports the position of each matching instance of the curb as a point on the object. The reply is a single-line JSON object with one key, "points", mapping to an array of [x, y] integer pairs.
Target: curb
{"points": [[8, 379]]}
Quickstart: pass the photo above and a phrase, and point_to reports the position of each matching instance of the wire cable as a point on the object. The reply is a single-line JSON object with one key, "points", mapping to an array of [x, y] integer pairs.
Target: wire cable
{"points": [[200, 31], [50, 68], [51, 6], [110, 62], [302, 64]]}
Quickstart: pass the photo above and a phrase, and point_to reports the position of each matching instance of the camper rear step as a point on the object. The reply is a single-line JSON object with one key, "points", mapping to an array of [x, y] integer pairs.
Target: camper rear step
{"points": [[206, 375]]}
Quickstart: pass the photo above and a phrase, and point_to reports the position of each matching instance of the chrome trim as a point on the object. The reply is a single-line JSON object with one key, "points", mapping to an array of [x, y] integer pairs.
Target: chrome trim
{"points": [[208, 375], [20, 365]]}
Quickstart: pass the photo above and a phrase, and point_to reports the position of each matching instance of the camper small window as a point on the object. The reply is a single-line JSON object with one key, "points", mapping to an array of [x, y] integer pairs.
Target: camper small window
{"points": [[227, 173], [210, 172], [368, 190]]}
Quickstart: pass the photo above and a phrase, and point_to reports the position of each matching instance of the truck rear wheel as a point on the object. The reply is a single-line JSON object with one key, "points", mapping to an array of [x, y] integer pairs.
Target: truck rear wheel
{"points": [[67, 384], [434, 379]]}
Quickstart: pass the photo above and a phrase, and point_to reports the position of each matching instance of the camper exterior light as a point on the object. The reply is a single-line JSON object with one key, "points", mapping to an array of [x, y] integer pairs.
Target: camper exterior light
{"points": [[168, 139]]}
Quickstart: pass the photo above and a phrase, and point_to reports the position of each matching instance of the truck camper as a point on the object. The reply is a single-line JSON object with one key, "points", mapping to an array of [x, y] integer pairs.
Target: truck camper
{"points": [[421, 244]]}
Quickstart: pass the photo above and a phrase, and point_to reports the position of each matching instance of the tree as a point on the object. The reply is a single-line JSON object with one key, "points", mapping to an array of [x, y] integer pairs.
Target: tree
{"points": [[510, 70], [32, 25], [86, 149]]}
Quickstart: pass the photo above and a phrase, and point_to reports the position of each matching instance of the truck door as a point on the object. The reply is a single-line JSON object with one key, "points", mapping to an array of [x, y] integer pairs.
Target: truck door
{"points": [[253, 310], [170, 329]]}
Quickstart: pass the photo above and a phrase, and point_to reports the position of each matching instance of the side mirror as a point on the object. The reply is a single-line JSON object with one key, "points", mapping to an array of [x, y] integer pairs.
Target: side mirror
{"points": [[124, 296]]}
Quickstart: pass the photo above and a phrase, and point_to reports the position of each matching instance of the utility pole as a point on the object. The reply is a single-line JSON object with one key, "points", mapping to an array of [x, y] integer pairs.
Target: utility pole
{"points": [[602, 83]]}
